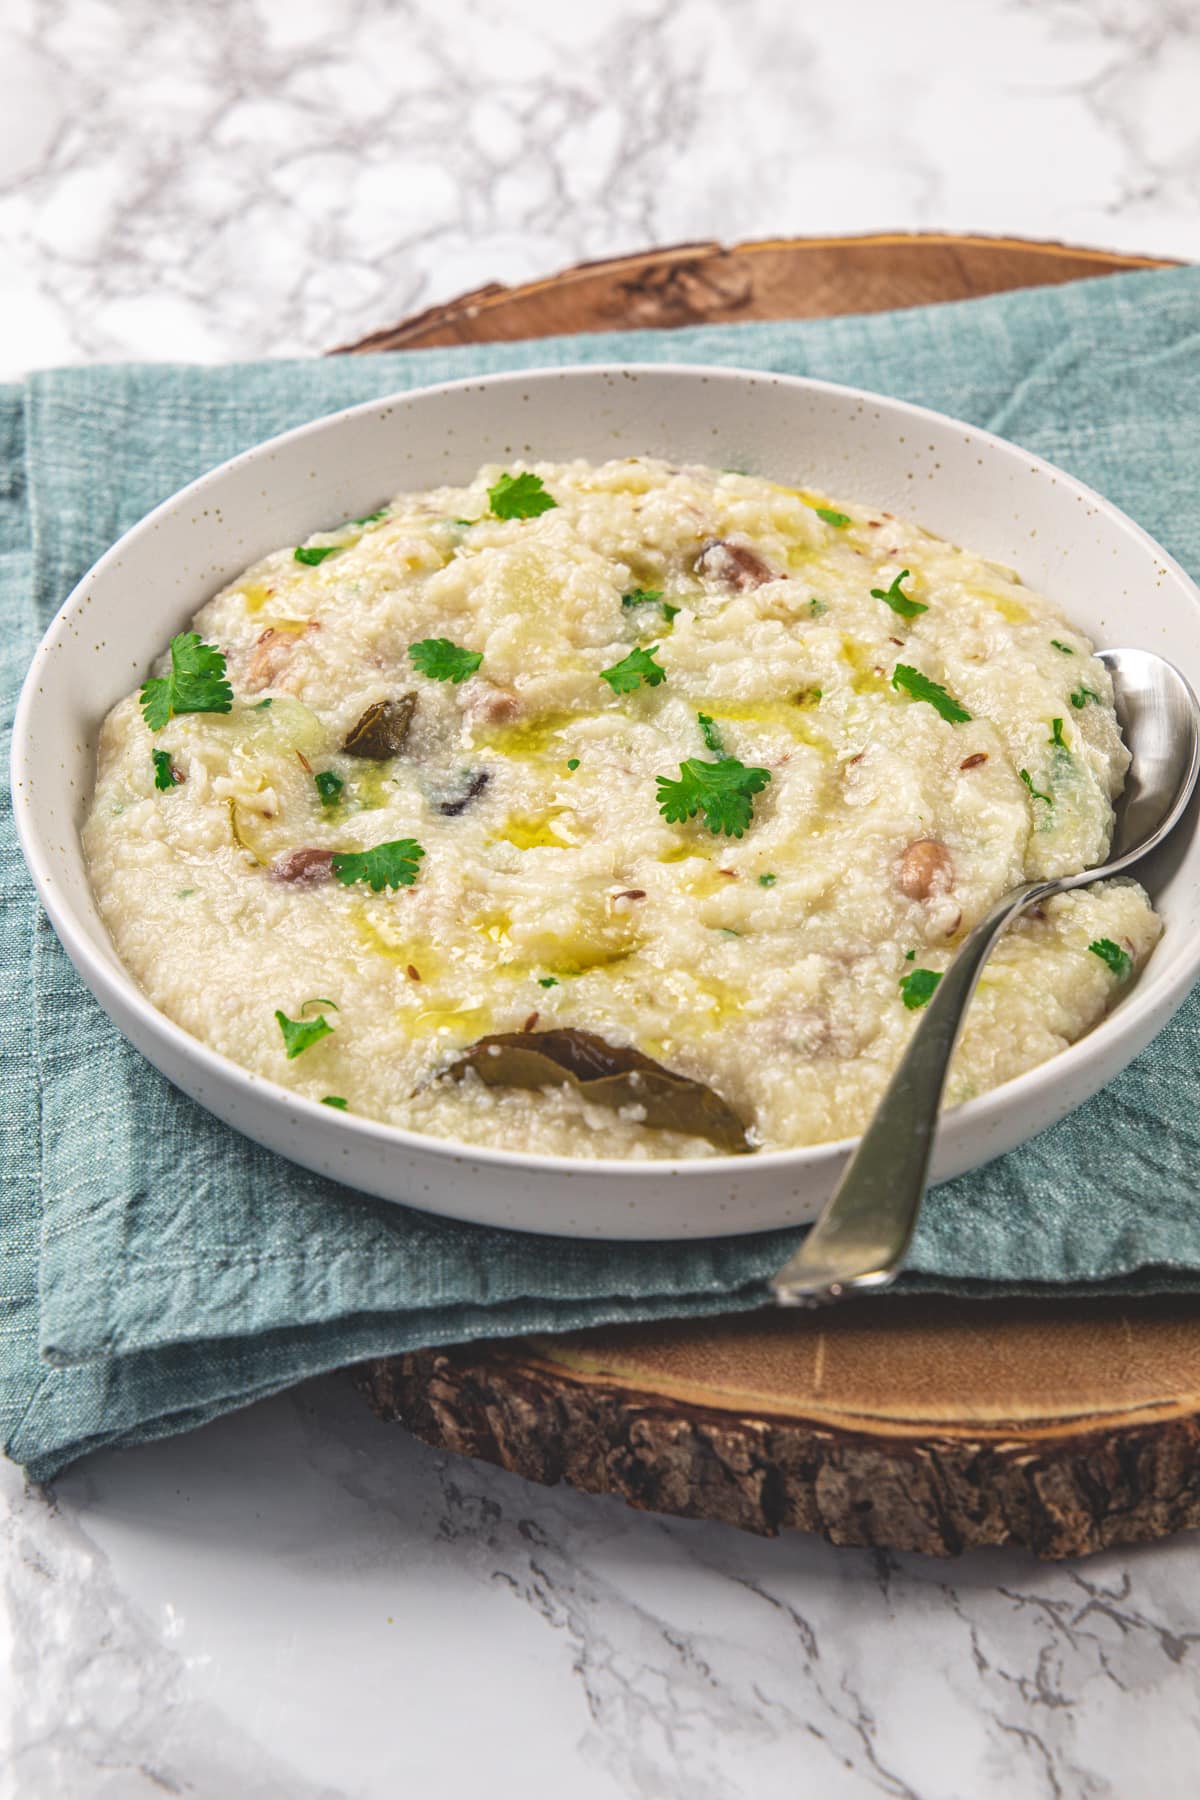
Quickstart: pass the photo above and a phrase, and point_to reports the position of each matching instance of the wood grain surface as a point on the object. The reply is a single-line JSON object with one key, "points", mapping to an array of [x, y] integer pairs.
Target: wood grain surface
{"points": [[707, 284], [912, 1424], [909, 1424]]}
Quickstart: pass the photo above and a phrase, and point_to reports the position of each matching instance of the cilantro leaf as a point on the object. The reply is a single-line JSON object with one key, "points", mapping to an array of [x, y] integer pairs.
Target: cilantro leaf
{"points": [[720, 790], [372, 518], [917, 989], [633, 669], [921, 688], [329, 785], [164, 775], [443, 661], [832, 517], [1027, 778], [391, 865], [547, 981], [196, 683], [1065, 648], [817, 607], [767, 880], [1081, 696], [1056, 736], [897, 600], [301, 1034], [334, 1099], [312, 554], [1118, 960], [519, 497], [710, 734], [650, 597]]}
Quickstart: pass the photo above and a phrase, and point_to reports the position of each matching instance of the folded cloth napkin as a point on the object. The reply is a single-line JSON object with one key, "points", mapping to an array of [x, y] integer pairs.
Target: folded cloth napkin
{"points": [[159, 1269]]}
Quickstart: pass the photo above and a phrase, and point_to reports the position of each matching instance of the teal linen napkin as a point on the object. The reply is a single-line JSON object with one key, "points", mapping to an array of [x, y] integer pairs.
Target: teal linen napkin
{"points": [[160, 1269]]}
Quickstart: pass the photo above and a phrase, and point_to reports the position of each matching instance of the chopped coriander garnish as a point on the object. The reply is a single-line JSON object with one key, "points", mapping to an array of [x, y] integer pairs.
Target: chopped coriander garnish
{"points": [[262, 705], [1027, 778], [722, 791], [633, 669], [329, 785], [572, 763], [1118, 960], [917, 989], [1065, 648], [910, 956], [817, 607], [336, 1099], [185, 893], [519, 497], [921, 688], [710, 734], [164, 775], [301, 1034], [767, 880], [464, 521], [1056, 736], [196, 683], [1081, 696], [897, 599], [650, 597], [832, 517], [728, 931], [312, 554], [547, 981], [391, 865], [371, 518], [443, 661]]}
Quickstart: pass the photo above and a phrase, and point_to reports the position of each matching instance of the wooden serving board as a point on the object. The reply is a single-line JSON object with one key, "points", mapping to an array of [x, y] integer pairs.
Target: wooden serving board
{"points": [[911, 1424]]}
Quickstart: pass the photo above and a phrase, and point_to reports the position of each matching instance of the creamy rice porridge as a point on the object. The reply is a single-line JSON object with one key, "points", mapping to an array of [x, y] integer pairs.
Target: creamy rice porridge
{"points": [[682, 784]]}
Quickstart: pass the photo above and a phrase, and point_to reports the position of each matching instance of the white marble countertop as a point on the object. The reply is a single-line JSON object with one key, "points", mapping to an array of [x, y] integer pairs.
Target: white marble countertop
{"points": [[300, 1603], [264, 177], [298, 1600]]}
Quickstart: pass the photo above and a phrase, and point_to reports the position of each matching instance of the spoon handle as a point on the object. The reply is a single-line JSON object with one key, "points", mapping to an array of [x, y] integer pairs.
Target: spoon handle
{"points": [[862, 1236]]}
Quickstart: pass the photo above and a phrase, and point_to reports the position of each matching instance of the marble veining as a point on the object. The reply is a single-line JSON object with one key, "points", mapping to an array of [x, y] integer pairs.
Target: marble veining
{"points": [[299, 1602], [259, 178]]}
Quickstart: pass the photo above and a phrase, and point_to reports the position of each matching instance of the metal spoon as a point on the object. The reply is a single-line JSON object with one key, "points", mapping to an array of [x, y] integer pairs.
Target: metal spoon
{"points": [[861, 1239]]}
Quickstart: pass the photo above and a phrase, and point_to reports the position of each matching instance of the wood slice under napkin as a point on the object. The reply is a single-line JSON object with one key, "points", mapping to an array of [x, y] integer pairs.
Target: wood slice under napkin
{"points": [[910, 1424]]}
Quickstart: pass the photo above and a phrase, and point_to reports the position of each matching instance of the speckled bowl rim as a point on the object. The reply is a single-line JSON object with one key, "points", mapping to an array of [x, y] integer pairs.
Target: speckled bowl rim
{"points": [[1127, 1020]]}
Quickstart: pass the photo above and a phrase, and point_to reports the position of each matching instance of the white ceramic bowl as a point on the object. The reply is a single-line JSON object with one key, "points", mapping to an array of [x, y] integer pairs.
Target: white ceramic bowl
{"points": [[1110, 578]]}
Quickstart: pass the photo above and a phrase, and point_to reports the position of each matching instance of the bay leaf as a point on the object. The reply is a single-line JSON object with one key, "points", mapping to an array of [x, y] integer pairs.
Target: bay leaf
{"points": [[607, 1074], [381, 731]]}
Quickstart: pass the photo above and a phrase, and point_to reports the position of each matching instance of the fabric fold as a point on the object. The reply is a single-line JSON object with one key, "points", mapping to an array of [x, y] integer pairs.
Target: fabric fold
{"points": [[160, 1269]]}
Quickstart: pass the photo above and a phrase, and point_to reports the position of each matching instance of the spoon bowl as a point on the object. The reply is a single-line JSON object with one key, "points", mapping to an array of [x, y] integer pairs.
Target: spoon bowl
{"points": [[1105, 573], [861, 1238], [1158, 714]]}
